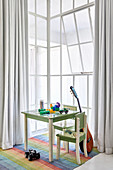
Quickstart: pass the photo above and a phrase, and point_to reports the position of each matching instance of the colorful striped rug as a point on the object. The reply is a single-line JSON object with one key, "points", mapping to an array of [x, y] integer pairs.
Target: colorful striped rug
{"points": [[15, 159]]}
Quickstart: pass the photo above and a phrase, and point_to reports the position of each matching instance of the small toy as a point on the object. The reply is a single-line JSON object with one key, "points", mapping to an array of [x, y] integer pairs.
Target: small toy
{"points": [[64, 110], [32, 155], [58, 104], [41, 104], [41, 110], [54, 108], [44, 112]]}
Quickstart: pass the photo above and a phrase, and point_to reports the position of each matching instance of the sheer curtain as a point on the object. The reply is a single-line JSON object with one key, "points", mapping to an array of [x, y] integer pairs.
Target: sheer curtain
{"points": [[103, 76], [13, 70]]}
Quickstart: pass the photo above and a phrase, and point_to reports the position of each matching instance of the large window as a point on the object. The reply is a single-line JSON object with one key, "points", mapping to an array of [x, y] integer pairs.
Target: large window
{"points": [[60, 52], [37, 57]]}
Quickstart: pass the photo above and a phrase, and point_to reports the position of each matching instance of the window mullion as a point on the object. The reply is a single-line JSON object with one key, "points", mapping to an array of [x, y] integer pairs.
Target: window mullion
{"points": [[48, 53], [67, 45], [78, 42], [36, 102], [90, 20], [37, 15], [61, 54]]}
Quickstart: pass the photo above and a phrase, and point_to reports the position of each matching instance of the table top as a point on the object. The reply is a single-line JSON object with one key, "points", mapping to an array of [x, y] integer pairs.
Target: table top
{"points": [[34, 114]]}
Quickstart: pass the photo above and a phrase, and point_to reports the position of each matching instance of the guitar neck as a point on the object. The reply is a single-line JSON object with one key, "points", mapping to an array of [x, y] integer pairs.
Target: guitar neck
{"points": [[79, 105], [75, 95]]}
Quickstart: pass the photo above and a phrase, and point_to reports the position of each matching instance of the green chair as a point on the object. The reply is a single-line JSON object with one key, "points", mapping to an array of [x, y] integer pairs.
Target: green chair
{"points": [[62, 126], [75, 136]]}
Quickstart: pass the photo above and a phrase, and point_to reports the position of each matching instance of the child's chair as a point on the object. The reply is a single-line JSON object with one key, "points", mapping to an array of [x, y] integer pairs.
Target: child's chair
{"points": [[75, 136], [62, 126]]}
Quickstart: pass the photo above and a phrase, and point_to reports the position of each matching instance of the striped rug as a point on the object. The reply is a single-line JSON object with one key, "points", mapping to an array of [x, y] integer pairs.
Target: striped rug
{"points": [[15, 159]]}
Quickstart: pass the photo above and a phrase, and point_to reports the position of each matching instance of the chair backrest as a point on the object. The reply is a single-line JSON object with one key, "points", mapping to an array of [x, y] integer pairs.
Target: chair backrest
{"points": [[74, 108], [81, 117]]}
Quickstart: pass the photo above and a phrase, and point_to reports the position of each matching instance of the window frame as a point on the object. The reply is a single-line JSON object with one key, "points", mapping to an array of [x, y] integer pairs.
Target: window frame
{"points": [[49, 47]]}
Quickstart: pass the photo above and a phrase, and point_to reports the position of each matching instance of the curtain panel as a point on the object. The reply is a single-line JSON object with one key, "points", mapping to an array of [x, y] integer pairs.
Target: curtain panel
{"points": [[103, 77], [13, 70]]}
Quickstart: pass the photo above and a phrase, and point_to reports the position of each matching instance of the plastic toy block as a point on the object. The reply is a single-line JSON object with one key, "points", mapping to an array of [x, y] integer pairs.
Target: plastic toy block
{"points": [[53, 108], [57, 109], [41, 110], [51, 105], [44, 112], [58, 104], [51, 111]]}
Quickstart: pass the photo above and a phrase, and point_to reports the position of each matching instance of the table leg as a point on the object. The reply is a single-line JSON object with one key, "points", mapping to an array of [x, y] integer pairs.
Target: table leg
{"points": [[25, 133], [50, 140]]}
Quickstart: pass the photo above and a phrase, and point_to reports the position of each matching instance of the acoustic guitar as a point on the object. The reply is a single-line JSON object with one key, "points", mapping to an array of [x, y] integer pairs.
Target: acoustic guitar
{"points": [[89, 136]]}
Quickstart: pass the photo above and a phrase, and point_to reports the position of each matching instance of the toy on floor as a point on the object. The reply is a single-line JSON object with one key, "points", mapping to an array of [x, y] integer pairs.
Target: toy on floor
{"points": [[32, 155], [63, 110]]}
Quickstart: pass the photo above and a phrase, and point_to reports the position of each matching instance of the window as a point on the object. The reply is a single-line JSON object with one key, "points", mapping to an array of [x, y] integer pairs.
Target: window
{"points": [[37, 57], [72, 29], [60, 52]]}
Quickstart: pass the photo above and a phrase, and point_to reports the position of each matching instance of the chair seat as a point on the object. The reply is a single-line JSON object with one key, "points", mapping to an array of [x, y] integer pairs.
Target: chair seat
{"points": [[71, 137], [73, 134]]}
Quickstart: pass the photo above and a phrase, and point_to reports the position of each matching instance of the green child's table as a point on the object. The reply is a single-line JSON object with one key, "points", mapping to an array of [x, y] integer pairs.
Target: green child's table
{"points": [[49, 118]]}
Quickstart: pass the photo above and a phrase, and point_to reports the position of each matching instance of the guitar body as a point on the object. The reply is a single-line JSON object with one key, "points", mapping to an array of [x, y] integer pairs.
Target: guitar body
{"points": [[89, 136], [89, 141]]}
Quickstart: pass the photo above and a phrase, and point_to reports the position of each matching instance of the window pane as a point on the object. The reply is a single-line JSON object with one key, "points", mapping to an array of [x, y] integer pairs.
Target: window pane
{"points": [[81, 89], [83, 25], [91, 1], [41, 61], [75, 59], [42, 7], [67, 81], [55, 7], [32, 107], [41, 31], [42, 89], [32, 59], [55, 31], [79, 3], [65, 61], [55, 61], [32, 124], [87, 53], [31, 5], [67, 5], [41, 125], [32, 91], [70, 30], [55, 89], [31, 21]]}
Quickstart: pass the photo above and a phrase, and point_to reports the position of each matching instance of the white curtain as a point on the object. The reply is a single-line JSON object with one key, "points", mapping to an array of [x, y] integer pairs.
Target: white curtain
{"points": [[13, 70], [103, 76]]}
